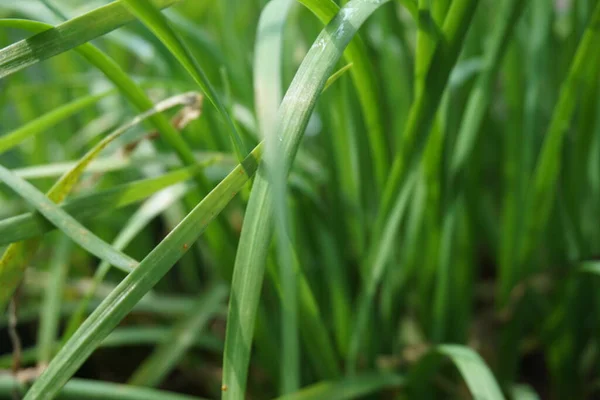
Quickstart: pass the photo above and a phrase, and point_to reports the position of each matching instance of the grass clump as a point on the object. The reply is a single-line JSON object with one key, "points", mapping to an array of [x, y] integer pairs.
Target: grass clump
{"points": [[376, 199]]}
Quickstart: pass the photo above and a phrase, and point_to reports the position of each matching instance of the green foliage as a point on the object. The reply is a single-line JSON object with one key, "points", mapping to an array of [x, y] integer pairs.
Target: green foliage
{"points": [[417, 218]]}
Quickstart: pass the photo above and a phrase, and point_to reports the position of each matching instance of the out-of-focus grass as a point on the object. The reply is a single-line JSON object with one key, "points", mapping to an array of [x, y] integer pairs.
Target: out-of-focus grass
{"points": [[437, 202]]}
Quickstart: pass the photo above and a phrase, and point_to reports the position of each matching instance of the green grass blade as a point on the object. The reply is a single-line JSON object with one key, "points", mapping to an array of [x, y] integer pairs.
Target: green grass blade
{"points": [[481, 95], [138, 221], [523, 392], [475, 372], [267, 83], [549, 161], [425, 105], [29, 225], [157, 23], [251, 257], [181, 337], [65, 222], [117, 162], [46, 121], [349, 388], [378, 260], [84, 389], [268, 61], [363, 78], [51, 41], [50, 312], [135, 285]]}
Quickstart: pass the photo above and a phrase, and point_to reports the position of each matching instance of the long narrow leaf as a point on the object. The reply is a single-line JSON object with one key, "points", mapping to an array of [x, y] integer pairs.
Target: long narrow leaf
{"points": [[66, 223]]}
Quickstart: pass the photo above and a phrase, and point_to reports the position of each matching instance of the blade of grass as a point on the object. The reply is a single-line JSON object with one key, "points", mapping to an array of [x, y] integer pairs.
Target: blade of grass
{"points": [[29, 225], [481, 95], [120, 162], [11, 139], [477, 376], [251, 256], [52, 41], [350, 388], [425, 105], [378, 263], [50, 312], [179, 339], [85, 389], [267, 83], [549, 161], [364, 81], [135, 285], [157, 23], [63, 221]]}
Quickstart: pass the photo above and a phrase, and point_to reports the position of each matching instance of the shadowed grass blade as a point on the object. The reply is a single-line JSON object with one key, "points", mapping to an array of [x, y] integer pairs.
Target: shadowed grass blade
{"points": [[181, 337], [80, 389], [50, 311], [350, 388], [477, 375]]}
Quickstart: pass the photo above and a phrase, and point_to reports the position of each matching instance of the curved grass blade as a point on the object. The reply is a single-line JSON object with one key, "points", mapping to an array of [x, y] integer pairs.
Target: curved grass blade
{"points": [[590, 266], [13, 262], [157, 23], [52, 41], [119, 162], [349, 388], [523, 392], [138, 221], [136, 284], [81, 389], [251, 256], [364, 81], [66, 223], [475, 372], [29, 225], [48, 120], [179, 339], [267, 93], [51, 304]]}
